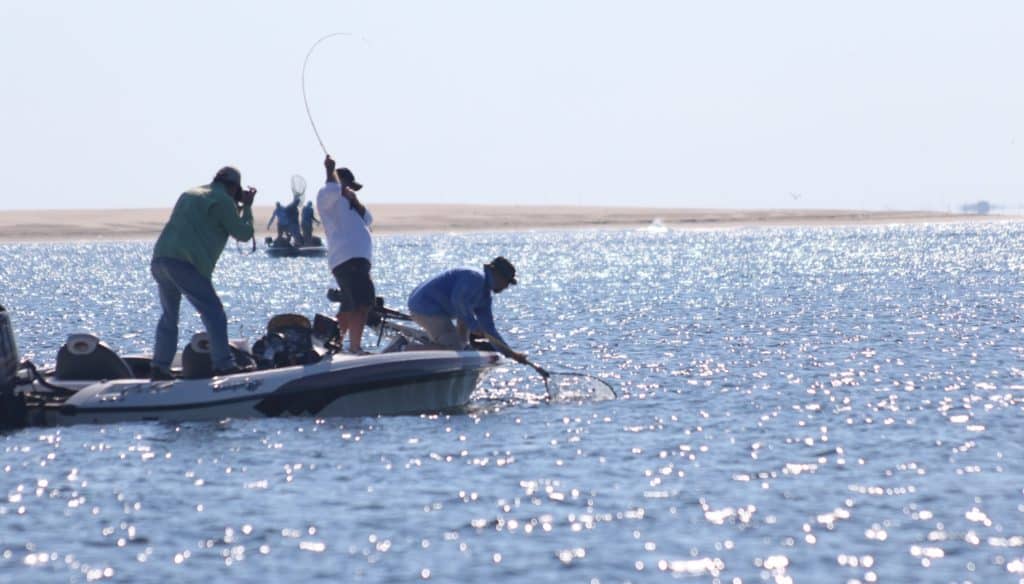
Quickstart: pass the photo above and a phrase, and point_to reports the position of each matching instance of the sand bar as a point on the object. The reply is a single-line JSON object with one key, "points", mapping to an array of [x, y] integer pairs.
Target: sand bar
{"points": [[129, 224]]}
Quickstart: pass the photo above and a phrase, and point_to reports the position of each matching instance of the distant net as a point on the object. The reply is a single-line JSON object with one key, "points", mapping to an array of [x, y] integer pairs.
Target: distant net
{"points": [[570, 386], [298, 185]]}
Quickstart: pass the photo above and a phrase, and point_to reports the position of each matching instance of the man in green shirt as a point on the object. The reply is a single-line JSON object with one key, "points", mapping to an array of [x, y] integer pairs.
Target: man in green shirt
{"points": [[184, 258]]}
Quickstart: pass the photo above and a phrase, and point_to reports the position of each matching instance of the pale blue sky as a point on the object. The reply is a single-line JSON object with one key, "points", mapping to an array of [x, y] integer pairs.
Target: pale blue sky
{"points": [[875, 105]]}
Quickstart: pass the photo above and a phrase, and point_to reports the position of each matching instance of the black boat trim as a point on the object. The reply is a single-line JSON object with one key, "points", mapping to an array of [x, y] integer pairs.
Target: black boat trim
{"points": [[313, 394]]}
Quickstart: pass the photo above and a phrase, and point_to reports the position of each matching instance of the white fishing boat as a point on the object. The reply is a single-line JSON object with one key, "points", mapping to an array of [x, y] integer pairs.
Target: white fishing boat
{"points": [[91, 383]]}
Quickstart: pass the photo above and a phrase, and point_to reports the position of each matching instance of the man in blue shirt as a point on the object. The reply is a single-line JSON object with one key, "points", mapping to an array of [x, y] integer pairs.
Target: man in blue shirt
{"points": [[282, 220], [308, 218], [291, 211], [463, 296]]}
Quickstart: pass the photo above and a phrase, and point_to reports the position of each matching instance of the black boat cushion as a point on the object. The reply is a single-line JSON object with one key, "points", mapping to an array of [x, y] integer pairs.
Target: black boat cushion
{"points": [[196, 362], [85, 357]]}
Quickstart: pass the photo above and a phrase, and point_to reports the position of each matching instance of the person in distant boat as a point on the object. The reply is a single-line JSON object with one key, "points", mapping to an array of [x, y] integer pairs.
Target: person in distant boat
{"points": [[308, 218], [184, 257], [457, 302], [346, 223], [291, 211], [281, 218]]}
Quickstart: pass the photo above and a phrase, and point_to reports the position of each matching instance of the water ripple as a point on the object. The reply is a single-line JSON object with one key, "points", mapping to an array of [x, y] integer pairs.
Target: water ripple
{"points": [[795, 405]]}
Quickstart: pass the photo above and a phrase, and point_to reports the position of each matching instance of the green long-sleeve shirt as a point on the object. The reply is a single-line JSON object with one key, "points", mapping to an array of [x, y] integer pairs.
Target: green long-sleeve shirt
{"points": [[199, 227]]}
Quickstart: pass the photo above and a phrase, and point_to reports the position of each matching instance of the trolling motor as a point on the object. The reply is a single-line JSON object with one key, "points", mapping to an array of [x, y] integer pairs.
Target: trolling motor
{"points": [[13, 410], [380, 317]]}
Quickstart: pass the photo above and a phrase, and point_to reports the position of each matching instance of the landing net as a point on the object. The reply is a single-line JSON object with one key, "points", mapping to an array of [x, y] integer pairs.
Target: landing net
{"points": [[570, 386]]}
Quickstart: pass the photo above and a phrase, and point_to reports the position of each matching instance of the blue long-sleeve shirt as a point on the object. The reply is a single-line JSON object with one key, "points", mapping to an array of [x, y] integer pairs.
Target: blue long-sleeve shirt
{"points": [[308, 216], [463, 294], [281, 216]]}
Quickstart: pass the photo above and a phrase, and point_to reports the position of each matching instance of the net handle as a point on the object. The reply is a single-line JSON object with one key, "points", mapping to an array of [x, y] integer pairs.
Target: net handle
{"points": [[544, 373], [508, 352]]}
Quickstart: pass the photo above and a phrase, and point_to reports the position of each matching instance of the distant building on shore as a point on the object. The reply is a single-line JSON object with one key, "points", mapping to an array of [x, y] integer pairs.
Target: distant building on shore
{"points": [[979, 208]]}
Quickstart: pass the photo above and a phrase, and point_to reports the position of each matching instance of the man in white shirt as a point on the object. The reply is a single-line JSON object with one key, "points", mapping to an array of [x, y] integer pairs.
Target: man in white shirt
{"points": [[346, 224]]}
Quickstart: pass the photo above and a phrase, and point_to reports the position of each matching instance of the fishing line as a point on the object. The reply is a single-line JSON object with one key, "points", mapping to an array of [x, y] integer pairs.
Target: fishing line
{"points": [[305, 98]]}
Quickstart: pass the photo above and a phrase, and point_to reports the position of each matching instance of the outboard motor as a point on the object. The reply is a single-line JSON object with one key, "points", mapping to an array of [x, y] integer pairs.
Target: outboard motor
{"points": [[13, 411], [8, 353]]}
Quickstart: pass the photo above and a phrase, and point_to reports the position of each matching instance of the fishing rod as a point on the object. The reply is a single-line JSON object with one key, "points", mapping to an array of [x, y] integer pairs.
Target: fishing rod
{"points": [[305, 97], [300, 187]]}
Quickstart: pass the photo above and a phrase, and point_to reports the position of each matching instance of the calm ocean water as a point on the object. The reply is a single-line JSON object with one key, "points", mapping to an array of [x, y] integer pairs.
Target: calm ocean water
{"points": [[809, 405]]}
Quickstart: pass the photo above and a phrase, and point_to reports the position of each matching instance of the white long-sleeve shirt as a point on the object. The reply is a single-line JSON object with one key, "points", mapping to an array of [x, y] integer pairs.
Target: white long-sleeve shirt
{"points": [[348, 233]]}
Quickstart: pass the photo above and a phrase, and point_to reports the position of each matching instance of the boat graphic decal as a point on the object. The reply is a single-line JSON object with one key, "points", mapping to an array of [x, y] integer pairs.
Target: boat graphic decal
{"points": [[235, 385], [310, 395]]}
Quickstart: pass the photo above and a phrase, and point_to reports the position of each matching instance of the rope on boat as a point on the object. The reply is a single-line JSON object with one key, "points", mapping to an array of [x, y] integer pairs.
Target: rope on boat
{"points": [[37, 376]]}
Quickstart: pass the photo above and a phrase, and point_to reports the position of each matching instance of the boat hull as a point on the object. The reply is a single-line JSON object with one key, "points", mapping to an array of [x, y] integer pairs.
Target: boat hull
{"points": [[405, 383], [288, 251]]}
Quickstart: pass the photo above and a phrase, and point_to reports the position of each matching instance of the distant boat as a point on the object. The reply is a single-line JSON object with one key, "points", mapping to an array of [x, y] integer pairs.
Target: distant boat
{"points": [[282, 248], [656, 226]]}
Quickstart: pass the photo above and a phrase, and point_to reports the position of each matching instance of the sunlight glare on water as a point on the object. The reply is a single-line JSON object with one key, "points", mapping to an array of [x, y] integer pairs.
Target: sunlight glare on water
{"points": [[829, 404]]}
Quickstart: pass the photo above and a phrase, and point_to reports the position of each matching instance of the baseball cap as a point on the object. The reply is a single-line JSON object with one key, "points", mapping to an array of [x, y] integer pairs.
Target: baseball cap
{"points": [[348, 179], [505, 268], [229, 175]]}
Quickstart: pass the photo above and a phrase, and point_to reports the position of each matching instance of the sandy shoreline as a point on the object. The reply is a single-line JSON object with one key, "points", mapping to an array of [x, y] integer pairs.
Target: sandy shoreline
{"points": [[128, 224]]}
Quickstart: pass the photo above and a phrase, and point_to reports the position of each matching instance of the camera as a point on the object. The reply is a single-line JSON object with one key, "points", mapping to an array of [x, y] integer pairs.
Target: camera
{"points": [[244, 198]]}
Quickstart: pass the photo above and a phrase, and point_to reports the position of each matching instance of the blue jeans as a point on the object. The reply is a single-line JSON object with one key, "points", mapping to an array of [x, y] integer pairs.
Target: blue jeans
{"points": [[175, 278]]}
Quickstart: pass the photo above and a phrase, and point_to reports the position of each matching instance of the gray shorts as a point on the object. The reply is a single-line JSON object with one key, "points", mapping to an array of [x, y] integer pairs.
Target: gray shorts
{"points": [[442, 331]]}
